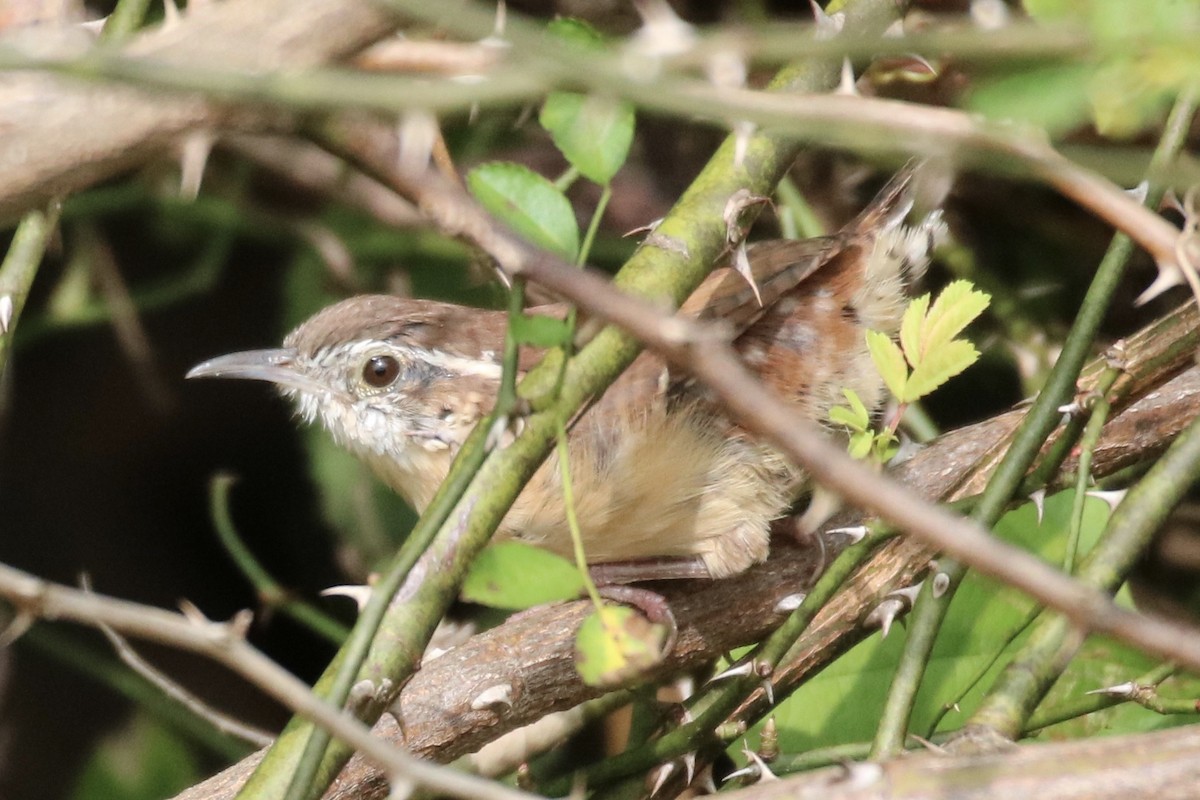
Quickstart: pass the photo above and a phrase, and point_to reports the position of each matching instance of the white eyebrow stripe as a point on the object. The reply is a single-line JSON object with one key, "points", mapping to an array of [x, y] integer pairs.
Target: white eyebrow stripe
{"points": [[462, 365]]}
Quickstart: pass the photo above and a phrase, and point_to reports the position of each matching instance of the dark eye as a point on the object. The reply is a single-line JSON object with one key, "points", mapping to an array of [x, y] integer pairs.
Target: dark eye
{"points": [[381, 371]]}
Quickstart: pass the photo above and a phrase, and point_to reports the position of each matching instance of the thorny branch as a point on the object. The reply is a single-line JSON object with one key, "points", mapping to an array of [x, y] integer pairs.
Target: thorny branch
{"points": [[225, 643]]}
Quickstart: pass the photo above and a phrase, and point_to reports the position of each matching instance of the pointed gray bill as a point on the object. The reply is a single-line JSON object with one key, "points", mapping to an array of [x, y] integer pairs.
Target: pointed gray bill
{"points": [[274, 366]]}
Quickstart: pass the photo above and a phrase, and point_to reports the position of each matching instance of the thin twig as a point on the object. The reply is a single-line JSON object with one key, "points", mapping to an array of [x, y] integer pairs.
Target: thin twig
{"points": [[225, 643]]}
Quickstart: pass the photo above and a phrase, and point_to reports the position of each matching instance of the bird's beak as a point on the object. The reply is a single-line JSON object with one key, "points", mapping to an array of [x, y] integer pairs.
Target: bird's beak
{"points": [[275, 366]]}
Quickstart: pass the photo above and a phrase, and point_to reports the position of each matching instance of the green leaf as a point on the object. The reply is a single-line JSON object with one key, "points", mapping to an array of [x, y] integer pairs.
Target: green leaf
{"points": [[861, 444], [529, 203], [910, 328], [938, 367], [889, 361], [592, 131], [615, 644], [955, 308], [857, 406], [1052, 97], [501, 577], [886, 445], [539, 331], [844, 416]]}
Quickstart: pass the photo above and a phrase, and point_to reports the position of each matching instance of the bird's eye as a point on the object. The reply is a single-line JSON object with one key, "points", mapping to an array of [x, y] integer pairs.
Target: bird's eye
{"points": [[381, 371]]}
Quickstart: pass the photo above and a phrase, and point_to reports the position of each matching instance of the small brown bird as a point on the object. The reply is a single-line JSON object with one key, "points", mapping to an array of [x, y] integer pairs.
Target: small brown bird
{"points": [[664, 484]]}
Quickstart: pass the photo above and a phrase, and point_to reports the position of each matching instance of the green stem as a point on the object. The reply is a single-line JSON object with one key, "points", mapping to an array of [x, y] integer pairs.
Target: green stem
{"points": [[1087, 447], [270, 592], [124, 20], [1054, 641], [1027, 442], [711, 707], [1091, 703], [18, 271]]}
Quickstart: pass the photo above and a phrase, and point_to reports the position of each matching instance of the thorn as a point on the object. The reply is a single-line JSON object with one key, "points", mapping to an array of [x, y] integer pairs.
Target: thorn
{"points": [[1126, 690], [990, 15], [361, 694], [847, 85], [738, 202], [764, 772], [171, 14], [663, 34], [741, 265], [828, 25], [895, 30], [418, 133], [790, 603], [664, 773], [855, 533], [498, 695], [496, 433], [1111, 496], [1139, 192], [884, 614], [400, 787], [1038, 498], [192, 160], [1169, 277], [892, 606], [689, 767], [941, 582], [21, 622], [908, 593], [193, 614], [1070, 409], [360, 594], [647, 228], [726, 69], [737, 671], [6, 312], [239, 624], [769, 691], [743, 131]]}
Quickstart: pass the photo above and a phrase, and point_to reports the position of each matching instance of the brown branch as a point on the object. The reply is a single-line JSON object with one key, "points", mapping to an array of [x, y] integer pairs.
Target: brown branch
{"points": [[61, 134]]}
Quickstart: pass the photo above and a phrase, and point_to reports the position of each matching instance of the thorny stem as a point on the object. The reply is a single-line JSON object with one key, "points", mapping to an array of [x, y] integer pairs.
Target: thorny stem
{"points": [[711, 707], [1091, 703], [1041, 420], [1054, 641]]}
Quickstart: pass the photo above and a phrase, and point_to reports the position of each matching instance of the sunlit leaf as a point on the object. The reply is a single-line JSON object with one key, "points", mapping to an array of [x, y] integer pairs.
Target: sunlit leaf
{"points": [[955, 308], [910, 328], [844, 416], [501, 577], [861, 444], [593, 132], [889, 361], [938, 367], [532, 205]]}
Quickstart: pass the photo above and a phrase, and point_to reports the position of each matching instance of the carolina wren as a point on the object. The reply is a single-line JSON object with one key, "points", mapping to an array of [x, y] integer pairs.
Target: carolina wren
{"points": [[660, 476]]}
